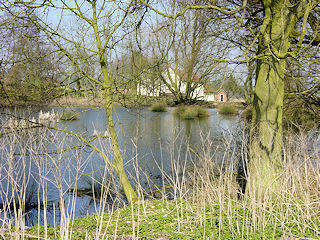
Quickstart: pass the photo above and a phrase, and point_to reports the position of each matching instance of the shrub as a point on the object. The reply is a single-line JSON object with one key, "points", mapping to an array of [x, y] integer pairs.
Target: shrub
{"points": [[296, 117], [227, 109], [178, 111], [191, 112], [158, 107], [300, 116], [68, 116], [202, 112]]}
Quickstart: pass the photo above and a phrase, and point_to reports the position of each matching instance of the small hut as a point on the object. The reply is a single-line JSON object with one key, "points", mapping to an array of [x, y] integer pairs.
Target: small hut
{"points": [[221, 96]]}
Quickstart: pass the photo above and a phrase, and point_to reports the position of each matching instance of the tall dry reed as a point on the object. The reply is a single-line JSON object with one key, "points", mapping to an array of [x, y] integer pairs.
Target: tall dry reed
{"points": [[202, 187]]}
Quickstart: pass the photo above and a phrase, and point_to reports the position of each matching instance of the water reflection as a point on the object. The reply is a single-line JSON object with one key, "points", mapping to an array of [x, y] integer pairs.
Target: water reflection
{"points": [[152, 142]]}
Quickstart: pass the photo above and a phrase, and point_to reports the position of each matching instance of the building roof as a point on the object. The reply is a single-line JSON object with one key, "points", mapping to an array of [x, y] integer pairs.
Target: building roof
{"points": [[211, 89]]}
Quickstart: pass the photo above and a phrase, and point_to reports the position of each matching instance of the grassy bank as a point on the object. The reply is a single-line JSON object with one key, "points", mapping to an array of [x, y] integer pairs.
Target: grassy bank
{"points": [[178, 219], [127, 100], [96, 99]]}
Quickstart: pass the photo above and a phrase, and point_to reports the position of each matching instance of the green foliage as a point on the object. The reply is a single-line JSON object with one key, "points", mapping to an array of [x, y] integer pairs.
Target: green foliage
{"points": [[191, 112], [158, 107], [227, 109], [296, 117], [68, 116], [21, 90], [300, 115], [35, 229], [202, 112]]}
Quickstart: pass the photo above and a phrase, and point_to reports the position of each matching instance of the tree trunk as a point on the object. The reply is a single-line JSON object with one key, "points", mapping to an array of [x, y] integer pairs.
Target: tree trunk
{"points": [[266, 164], [118, 163], [266, 130]]}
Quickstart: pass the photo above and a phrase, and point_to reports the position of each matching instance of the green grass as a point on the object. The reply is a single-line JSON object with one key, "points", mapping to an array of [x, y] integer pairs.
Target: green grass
{"points": [[227, 109], [68, 116], [74, 100], [191, 112], [182, 220], [158, 107]]}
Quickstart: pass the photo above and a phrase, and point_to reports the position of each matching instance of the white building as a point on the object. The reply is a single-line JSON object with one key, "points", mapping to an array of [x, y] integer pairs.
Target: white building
{"points": [[177, 81]]}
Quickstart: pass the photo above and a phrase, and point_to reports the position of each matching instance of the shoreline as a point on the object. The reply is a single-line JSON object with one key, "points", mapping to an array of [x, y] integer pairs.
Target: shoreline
{"points": [[66, 102]]}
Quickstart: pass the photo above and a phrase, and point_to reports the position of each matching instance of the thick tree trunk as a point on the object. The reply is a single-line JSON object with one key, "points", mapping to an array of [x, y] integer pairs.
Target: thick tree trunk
{"points": [[266, 131], [266, 164]]}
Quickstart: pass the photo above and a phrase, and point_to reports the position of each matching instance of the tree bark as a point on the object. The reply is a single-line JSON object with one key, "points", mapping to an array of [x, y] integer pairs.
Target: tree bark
{"points": [[266, 163], [118, 161]]}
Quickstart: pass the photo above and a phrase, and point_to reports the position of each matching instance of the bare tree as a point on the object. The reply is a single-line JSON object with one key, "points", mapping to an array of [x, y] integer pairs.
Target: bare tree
{"points": [[29, 70], [279, 31], [103, 27], [183, 46]]}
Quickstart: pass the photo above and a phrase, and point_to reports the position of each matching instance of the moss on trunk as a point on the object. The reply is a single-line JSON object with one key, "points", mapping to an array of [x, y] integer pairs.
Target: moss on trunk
{"points": [[118, 162], [265, 165]]}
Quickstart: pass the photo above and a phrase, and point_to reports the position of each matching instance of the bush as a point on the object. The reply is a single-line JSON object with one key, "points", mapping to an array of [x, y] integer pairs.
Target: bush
{"points": [[202, 112], [191, 112], [300, 115], [227, 109], [296, 117], [158, 107], [68, 116], [178, 111]]}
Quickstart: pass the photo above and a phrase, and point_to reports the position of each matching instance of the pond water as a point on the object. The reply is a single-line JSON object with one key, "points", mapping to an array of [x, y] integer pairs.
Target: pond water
{"points": [[150, 142]]}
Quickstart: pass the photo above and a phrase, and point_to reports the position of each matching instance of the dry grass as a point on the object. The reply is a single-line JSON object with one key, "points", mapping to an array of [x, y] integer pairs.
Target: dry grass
{"points": [[75, 101]]}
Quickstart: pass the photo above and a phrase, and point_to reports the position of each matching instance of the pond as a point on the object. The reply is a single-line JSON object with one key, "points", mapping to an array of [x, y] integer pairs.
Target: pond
{"points": [[46, 168]]}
